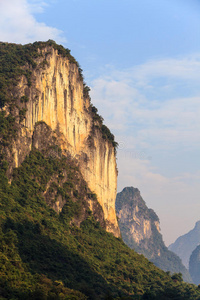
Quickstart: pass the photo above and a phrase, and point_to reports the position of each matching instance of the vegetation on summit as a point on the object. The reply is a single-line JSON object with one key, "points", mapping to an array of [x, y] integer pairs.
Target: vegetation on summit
{"points": [[45, 255], [17, 60]]}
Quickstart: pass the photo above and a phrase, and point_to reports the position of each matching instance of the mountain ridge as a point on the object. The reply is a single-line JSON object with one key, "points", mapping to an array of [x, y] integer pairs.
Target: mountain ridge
{"points": [[49, 88], [140, 229], [185, 244], [53, 238]]}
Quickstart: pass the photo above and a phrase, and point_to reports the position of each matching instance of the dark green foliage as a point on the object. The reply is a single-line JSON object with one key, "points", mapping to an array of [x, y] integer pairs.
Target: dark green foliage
{"points": [[177, 277], [86, 90], [92, 196], [8, 128], [71, 209], [24, 99], [22, 114], [96, 117], [17, 60], [64, 52], [44, 64], [43, 256], [12, 59], [8, 131], [105, 131]]}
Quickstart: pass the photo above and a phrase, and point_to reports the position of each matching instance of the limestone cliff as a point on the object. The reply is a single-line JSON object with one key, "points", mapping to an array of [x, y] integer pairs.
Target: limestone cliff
{"points": [[140, 229], [54, 92], [138, 223]]}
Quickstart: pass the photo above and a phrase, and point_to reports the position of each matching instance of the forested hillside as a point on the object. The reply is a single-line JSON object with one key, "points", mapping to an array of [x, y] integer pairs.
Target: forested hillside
{"points": [[52, 227]]}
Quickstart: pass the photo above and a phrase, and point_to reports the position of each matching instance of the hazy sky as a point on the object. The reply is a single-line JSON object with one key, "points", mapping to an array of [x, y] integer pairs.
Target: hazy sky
{"points": [[142, 60]]}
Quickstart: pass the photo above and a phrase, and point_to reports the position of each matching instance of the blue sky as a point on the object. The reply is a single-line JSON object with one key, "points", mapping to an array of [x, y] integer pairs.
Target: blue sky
{"points": [[142, 60]]}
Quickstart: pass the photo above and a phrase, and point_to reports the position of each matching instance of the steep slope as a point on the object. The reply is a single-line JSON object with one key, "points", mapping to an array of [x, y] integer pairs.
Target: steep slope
{"points": [[47, 85], [186, 243], [194, 265], [53, 238], [140, 230], [44, 255]]}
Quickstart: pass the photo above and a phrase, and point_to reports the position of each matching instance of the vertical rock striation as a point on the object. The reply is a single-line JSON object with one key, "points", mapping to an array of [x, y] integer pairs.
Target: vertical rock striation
{"points": [[139, 225], [55, 94], [140, 229]]}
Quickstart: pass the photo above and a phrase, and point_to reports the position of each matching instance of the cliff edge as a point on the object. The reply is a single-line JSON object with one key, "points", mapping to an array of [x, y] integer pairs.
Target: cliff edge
{"points": [[48, 87], [140, 229]]}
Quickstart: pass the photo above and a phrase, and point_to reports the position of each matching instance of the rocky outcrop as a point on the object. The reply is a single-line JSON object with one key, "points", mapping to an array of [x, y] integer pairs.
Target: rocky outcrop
{"points": [[140, 230], [67, 184], [54, 94], [138, 223], [186, 243]]}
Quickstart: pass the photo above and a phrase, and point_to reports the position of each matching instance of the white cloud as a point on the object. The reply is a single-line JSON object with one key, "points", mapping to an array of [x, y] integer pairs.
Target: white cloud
{"points": [[184, 67], [37, 6], [18, 25], [154, 110], [135, 100]]}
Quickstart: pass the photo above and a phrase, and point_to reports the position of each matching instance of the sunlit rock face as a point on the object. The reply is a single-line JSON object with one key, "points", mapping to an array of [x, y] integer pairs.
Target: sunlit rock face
{"points": [[138, 223], [140, 230], [56, 97]]}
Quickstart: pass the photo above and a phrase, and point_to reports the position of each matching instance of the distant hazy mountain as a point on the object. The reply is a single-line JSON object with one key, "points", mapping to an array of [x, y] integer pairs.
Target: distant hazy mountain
{"points": [[194, 265], [140, 229], [186, 243]]}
